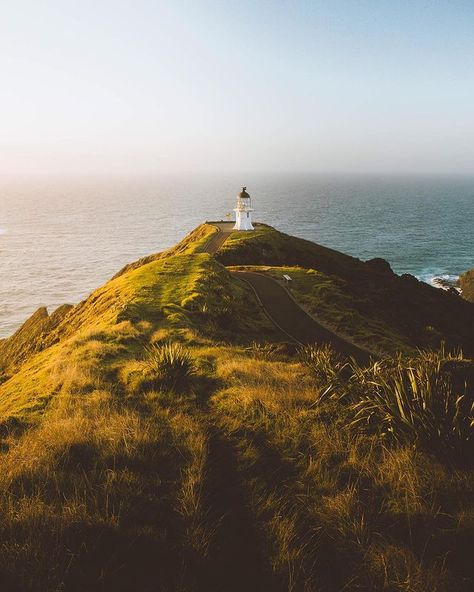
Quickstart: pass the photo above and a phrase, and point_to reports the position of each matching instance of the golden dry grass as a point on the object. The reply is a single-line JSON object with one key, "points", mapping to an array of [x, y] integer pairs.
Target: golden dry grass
{"points": [[314, 483], [251, 476]]}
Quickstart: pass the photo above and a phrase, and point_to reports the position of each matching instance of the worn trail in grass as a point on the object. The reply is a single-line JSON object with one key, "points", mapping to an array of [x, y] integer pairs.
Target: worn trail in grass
{"points": [[237, 557]]}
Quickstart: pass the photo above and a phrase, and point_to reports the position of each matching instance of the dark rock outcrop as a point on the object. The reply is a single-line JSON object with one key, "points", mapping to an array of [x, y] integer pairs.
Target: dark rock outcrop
{"points": [[380, 265]]}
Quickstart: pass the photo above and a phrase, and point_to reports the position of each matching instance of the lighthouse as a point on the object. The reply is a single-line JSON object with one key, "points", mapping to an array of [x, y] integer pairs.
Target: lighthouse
{"points": [[243, 211]]}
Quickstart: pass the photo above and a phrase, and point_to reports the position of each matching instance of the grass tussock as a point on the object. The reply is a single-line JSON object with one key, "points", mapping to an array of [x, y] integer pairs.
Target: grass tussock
{"points": [[166, 367], [172, 365]]}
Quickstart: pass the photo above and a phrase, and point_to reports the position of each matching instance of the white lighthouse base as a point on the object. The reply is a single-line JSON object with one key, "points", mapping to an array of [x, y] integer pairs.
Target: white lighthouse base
{"points": [[243, 219]]}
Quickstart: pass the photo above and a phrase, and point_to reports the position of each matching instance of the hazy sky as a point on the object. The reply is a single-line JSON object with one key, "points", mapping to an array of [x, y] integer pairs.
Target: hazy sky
{"points": [[148, 86]]}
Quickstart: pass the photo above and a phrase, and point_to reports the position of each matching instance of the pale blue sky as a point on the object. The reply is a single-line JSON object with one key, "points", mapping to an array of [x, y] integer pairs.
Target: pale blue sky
{"points": [[142, 86]]}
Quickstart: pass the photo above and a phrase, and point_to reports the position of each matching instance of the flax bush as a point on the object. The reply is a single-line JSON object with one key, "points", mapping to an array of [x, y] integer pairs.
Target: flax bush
{"points": [[328, 369], [415, 401]]}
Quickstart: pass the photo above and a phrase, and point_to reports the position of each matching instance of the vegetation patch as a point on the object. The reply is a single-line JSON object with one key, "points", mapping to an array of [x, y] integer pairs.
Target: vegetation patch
{"points": [[417, 402], [343, 506], [161, 436], [364, 300]]}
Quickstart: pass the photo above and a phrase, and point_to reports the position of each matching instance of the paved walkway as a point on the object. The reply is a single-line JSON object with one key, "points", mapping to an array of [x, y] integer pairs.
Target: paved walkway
{"points": [[285, 313], [291, 319], [218, 239]]}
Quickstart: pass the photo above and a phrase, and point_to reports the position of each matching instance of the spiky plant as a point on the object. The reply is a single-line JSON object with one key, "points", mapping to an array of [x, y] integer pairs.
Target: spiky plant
{"points": [[263, 351], [415, 402], [324, 363], [171, 364]]}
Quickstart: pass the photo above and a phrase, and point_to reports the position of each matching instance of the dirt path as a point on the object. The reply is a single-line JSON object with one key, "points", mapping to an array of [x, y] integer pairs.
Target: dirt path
{"points": [[285, 313], [238, 560]]}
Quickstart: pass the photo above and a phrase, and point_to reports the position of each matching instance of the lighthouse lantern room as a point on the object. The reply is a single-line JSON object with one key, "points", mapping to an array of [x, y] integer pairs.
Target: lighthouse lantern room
{"points": [[243, 211]]}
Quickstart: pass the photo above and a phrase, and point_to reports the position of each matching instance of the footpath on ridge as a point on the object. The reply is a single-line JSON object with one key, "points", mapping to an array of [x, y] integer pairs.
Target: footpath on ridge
{"points": [[282, 309], [218, 239]]}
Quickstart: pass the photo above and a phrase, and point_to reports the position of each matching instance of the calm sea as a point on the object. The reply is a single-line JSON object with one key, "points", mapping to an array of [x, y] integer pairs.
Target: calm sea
{"points": [[60, 239]]}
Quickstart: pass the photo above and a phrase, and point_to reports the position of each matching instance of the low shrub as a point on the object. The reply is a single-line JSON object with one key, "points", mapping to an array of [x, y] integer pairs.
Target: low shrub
{"points": [[416, 401], [171, 365]]}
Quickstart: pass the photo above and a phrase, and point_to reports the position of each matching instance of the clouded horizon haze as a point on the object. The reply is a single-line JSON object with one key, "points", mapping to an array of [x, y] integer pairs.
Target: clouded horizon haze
{"points": [[154, 87]]}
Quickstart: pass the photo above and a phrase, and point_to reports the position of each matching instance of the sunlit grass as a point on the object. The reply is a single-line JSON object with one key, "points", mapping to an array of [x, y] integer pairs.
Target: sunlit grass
{"points": [[153, 443]]}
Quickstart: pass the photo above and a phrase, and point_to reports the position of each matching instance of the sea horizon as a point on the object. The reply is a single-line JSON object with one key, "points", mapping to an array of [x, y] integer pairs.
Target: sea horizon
{"points": [[62, 236]]}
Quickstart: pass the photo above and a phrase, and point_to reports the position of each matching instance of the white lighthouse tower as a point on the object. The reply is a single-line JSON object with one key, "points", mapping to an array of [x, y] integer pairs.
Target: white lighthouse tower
{"points": [[243, 211]]}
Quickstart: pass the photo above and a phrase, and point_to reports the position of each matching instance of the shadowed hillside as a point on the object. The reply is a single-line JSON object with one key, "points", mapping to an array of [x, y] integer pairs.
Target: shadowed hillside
{"points": [[362, 300]]}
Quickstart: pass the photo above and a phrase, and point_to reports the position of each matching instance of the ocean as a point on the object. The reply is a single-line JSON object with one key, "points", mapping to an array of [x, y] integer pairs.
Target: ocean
{"points": [[61, 238]]}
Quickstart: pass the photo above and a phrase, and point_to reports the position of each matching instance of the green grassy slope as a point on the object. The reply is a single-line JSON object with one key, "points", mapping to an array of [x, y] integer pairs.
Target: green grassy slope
{"points": [[194, 242], [33, 334], [267, 246], [190, 294]]}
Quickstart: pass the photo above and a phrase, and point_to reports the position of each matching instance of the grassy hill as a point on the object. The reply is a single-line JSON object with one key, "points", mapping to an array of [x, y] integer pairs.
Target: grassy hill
{"points": [[163, 435], [189, 295]]}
